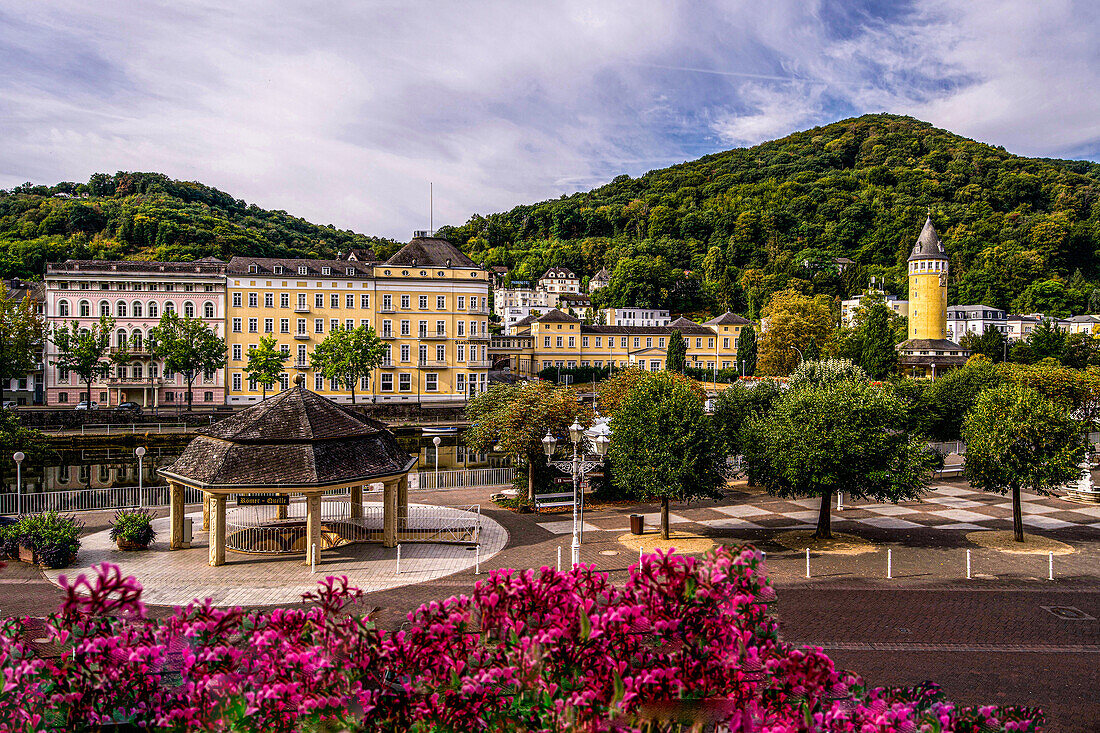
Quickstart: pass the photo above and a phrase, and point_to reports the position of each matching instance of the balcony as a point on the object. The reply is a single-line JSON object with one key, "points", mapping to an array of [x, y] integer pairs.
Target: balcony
{"points": [[301, 365], [301, 309], [387, 309], [480, 311], [302, 336], [479, 364], [386, 364], [433, 364], [479, 336], [388, 335], [437, 334], [134, 382]]}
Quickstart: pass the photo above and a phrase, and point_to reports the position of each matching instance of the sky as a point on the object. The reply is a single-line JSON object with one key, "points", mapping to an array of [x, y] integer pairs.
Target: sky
{"points": [[343, 112]]}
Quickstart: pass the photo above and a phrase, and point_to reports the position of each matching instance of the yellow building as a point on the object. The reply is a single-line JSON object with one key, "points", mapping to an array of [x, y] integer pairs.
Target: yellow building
{"points": [[928, 350], [557, 339], [429, 303]]}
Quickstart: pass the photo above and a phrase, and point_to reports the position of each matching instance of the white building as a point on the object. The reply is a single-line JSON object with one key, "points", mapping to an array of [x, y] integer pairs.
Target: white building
{"points": [[560, 280], [600, 280], [634, 317], [849, 307], [964, 319]]}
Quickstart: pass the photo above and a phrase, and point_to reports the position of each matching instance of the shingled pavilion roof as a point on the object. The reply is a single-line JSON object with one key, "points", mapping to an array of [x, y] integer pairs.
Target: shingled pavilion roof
{"points": [[295, 440]]}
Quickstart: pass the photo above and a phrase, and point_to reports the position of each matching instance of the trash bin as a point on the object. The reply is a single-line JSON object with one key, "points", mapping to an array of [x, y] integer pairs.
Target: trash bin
{"points": [[637, 524]]}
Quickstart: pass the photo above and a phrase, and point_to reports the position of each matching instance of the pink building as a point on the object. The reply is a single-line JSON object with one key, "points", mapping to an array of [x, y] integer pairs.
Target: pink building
{"points": [[135, 294]]}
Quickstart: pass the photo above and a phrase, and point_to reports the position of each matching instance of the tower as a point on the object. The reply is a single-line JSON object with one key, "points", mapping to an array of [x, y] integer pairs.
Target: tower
{"points": [[928, 286]]}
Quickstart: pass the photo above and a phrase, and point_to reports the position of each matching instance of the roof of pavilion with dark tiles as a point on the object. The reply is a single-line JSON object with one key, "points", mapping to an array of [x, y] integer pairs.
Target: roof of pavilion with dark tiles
{"points": [[294, 439], [430, 252]]}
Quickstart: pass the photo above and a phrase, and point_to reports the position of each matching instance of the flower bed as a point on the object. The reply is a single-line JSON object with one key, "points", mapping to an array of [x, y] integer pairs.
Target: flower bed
{"points": [[132, 529], [683, 639], [48, 539]]}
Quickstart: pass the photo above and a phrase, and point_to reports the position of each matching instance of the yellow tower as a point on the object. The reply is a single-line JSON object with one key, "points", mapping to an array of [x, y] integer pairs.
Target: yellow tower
{"points": [[928, 286]]}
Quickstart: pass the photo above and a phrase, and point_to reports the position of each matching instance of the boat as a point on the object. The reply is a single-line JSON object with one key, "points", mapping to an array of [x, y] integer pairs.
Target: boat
{"points": [[439, 431]]}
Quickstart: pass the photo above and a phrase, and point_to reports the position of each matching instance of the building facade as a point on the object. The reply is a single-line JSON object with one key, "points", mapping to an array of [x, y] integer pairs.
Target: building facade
{"points": [[849, 307], [634, 317], [975, 319], [135, 294], [560, 280], [428, 303]]}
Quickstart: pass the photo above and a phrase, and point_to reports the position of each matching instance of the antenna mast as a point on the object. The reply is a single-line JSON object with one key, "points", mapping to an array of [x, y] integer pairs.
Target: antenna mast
{"points": [[431, 209]]}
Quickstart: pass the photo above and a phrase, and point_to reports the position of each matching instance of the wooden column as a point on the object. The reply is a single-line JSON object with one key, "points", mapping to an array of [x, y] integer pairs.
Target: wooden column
{"points": [[403, 503], [313, 525], [389, 514], [282, 512], [205, 512], [356, 502], [175, 515], [217, 529]]}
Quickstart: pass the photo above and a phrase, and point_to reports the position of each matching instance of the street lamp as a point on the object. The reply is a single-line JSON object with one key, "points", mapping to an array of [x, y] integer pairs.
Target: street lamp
{"points": [[140, 453], [800, 359], [436, 441], [18, 458], [577, 468]]}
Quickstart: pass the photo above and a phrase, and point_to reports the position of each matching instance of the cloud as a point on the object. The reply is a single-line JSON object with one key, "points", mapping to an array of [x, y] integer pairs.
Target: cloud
{"points": [[343, 112]]}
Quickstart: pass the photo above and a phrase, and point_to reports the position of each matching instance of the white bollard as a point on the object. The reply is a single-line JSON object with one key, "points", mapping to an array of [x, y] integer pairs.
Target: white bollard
{"points": [[399, 559], [477, 560], [807, 562], [968, 564], [639, 557], [889, 563], [839, 500], [559, 558], [312, 558], [1050, 567]]}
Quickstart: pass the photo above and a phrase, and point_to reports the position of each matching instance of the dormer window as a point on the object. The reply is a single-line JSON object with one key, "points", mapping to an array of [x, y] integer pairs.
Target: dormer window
{"points": [[349, 271], [278, 269], [252, 269], [326, 270], [302, 269]]}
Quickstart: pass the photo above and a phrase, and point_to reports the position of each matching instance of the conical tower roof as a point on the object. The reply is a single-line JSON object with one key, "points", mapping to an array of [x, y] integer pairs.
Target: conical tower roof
{"points": [[928, 246]]}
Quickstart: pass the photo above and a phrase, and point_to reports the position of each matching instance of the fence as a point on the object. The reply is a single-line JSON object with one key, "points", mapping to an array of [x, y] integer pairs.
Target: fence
{"points": [[121, 497], [124, 429]]}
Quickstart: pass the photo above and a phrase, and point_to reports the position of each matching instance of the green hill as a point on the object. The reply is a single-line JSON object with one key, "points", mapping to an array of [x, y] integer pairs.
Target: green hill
{"points": [[1022, 233], [150, 216]]}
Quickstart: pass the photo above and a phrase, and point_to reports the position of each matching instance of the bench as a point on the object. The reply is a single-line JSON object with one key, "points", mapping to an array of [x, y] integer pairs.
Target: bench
{"points": [[551, 501], [949, 471]]}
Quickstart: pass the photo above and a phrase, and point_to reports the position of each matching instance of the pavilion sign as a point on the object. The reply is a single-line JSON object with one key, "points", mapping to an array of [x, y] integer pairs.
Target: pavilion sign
{"points": [[263, 500]]}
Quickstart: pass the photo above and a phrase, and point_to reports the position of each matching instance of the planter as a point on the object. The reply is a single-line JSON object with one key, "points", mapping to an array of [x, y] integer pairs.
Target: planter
{"points": [[27, 555], [129, 545]]}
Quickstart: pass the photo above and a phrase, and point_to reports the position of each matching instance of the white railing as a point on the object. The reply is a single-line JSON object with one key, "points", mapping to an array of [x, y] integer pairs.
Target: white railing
{"points": [[471, 478], [441, 524], [122, 429], [88, 500]]}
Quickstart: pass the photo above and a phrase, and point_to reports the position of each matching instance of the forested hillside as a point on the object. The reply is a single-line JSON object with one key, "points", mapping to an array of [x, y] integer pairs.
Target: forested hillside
{"points": [[150, 216], [1022, 233]]}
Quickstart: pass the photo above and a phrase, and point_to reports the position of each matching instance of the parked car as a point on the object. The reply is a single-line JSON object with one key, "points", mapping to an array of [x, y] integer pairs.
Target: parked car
{"points": [[10, 404], [133, 407], [85, 405]]}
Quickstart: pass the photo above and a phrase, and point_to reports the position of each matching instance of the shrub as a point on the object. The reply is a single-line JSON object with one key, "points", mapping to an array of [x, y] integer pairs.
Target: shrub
{"points": [[133, 525], [54, 537]]}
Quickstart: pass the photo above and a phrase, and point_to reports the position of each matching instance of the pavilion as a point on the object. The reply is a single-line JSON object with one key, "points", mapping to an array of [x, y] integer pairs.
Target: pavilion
{"points": [[294, 443]]}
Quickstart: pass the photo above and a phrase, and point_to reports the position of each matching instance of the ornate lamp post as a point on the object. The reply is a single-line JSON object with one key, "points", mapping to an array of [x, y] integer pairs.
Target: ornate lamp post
{"points": [[18, 458], [436, 441], [577, 468], [140, 453]]}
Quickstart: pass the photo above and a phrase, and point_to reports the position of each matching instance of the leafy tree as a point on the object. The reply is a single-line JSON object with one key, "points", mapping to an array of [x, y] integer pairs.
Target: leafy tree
{"points": [[663, 446], [188, 346], [676, 355], [736, 404], [845, 436], [1077, 390], [1082, 351], [795, 321], [613, 391], [1048, 340], [877, 355], [86, 352], [21, 336], [513, 419], [265, 363], [826, 371], [991, 343], [1015, 439], [943, 404], [746, 350], [349, 355]]}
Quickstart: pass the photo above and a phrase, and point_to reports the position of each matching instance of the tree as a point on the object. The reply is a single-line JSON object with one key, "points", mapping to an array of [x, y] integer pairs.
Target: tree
{"points": [[944, 403], [265, 363], [1047, 340], [21, 336], [86, 352], [1016, 438], [736, 404], [845, 436], [878, 357], [992, 343], [513, 419], [348, 355], [826, 371], [1082, 350], [676, 356], [746, 350], [188, 346], [664, 446], [795, 321]]}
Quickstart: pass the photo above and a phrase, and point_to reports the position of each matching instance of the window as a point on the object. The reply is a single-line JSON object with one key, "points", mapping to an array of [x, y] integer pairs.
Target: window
{"points": [[623, 345], [285, 349], [284, 381], [121, 339], [251, 385], [63, 308], [302, 269], [236, 300], [441, 353], [349, 324], [462, 352], [269, 325], [599, 340], [318, 325], [440, 328], [387, 302], [236, 382], [349, 270], [423, 302], [405, 302], [302, 327], [333, 324], [698, 343], [422, 353], [725, 343], [237, 352], [326, 270], [349, 301], [364, 301], [253, 325], [404, 382], [104, 308], [649, 342], [558, 341], [318, 300], [661, 342], [269, 300], [169, 307], [302, 360], [584, 342], [207, 396], [85, 309], [135, 340], [189, 309], [462, 328], [710, 343], [334, 300], [277, 269], [431, 382], [404, 352], [440, 302], [473, 302], [462, 302], [318, 381], [284, 300], [302, 302], [253, 269], [545, 340], [284, 325], [136, 308], [405, 327], [236, 325], [253, 300], [387, 382], [120, 309]]}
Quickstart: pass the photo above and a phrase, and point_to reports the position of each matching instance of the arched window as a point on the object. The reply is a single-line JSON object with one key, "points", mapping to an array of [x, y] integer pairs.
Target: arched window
{"points": [[137, 372], [169, 306], [121, 338], [63, 308], [189, 309], [120, 309], [208, 310], [135, 309], [85, 309], [104, 308], [135, 339], [152, 309]]}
